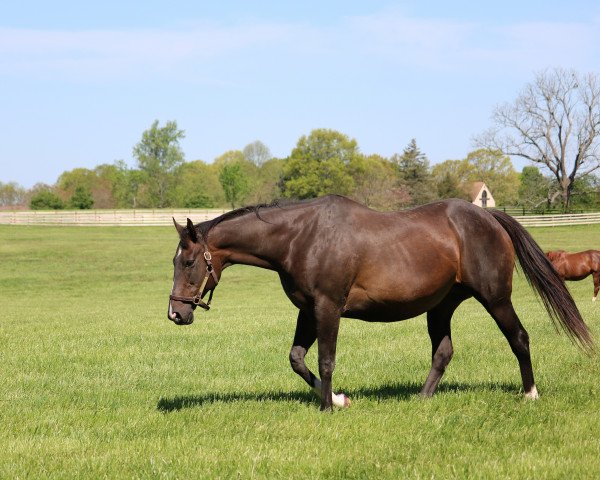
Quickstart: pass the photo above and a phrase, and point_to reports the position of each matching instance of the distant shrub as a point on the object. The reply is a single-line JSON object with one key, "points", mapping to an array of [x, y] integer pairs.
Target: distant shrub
{"points": [[46, 200], [200, 200], [82, 199]]}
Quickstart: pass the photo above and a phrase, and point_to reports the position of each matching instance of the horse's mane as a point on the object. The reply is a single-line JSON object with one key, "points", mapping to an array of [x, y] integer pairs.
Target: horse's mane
{"points": [[205, 227]]}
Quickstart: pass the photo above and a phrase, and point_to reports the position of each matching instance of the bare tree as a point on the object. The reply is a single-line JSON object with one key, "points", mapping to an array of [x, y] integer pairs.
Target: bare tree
{"points": [[555, 121], [257, 153]]}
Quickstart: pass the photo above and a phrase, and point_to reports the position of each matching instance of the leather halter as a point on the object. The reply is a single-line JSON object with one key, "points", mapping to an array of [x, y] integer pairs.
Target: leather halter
{"points": [[197, 299]]}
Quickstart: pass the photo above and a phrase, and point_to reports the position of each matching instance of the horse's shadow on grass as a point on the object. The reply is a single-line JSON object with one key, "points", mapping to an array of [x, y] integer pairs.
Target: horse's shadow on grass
{"points": [[398, 391]]}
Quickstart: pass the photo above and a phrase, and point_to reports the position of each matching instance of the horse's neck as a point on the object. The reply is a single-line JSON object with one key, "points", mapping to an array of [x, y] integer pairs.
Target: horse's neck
{"points": [[249, 240]]}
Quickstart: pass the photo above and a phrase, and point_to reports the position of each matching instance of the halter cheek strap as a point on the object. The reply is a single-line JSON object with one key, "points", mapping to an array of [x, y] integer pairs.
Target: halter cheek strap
{"points": [[197, 299]]}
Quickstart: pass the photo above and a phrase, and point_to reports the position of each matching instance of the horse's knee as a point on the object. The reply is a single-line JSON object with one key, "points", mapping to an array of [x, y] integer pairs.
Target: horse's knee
{"points": [[297, 355]]}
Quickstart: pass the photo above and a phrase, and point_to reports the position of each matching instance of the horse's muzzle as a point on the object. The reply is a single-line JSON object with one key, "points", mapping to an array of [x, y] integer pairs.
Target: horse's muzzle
{"points": [[179, 317]]}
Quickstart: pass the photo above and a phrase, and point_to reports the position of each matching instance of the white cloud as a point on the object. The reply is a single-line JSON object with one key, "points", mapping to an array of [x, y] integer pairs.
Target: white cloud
{"points": [[389, 38], [443, 44], [116, 52]]}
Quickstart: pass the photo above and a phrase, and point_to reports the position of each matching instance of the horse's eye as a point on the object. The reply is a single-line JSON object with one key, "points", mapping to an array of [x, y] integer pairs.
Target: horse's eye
{"points": [[189, 263]]}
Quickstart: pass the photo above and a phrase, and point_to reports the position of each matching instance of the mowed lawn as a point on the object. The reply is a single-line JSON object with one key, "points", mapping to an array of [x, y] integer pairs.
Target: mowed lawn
{"points": [[95, 382]]}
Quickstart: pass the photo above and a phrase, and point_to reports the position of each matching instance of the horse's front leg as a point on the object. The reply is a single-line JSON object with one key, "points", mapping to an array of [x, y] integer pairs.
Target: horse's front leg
{"points": [[328, 324], [306, 334], [596, 277]]}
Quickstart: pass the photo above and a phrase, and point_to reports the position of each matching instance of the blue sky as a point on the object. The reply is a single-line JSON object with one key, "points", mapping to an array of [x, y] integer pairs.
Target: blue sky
{"points": [[81, 81]]}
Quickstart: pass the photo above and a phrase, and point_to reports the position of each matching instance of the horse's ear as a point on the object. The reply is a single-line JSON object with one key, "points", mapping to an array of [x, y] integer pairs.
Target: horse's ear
{"points": [[192, 231], [180, 228]]}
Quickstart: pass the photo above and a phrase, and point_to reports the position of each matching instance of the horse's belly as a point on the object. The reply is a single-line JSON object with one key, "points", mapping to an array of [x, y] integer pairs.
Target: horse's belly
{"points": [[382, 306], [576, 276], [384, 314]]}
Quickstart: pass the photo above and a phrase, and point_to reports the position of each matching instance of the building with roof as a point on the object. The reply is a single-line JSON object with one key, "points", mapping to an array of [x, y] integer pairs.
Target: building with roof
{"points": [[480, 195]]}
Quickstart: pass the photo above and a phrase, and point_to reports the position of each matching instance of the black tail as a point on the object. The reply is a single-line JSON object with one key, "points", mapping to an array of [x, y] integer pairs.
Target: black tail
{"points": [[543, 278]]}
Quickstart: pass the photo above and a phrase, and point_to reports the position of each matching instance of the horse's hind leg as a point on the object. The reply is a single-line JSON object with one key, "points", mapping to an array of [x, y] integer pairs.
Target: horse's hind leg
{"points": [[306, 334], [438, 326], [506, 318], [596, 277]]}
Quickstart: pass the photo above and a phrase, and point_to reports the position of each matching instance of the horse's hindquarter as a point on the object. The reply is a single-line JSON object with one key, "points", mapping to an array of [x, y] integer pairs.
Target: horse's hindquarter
{"points": [[423, 254]]}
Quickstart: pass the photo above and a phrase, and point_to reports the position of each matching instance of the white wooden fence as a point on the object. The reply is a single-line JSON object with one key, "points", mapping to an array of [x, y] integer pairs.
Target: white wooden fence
{"points": [[557, 220], [106, 217], [164, 217]]}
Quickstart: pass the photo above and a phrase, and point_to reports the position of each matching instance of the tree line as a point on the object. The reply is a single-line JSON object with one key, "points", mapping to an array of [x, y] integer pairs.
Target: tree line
{"points": [[554, 124]]}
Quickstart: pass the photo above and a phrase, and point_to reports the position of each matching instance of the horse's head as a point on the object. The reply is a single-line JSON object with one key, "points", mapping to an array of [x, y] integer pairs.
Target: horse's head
{"points": [[194, 275]]}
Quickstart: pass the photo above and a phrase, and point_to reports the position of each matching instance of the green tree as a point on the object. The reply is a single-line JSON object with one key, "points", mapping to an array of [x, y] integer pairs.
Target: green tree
{"points": [[234, 183], [127, 184], [158, 155], [376, 184], [198, 200], [267, 187], [78, 177], [452, 178], [112, 187], [46, 200], [82, 198], [97, 182], [197, 186], [449, 187], [585, 194], [414, 173], [496, 170], [534, 189], [321, 163]]}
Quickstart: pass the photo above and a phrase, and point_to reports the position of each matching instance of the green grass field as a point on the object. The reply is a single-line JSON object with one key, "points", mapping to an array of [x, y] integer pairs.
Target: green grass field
{"points": [[95, 382]]}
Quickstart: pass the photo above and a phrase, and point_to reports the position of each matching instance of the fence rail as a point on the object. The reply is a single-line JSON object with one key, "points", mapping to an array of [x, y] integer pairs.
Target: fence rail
{"points": [[106, 217], [164, 217], [557, 220]]}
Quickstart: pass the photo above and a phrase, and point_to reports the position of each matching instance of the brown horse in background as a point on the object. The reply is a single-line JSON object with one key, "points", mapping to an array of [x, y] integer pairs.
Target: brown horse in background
{"points": [[577, 266], [336, 258]]}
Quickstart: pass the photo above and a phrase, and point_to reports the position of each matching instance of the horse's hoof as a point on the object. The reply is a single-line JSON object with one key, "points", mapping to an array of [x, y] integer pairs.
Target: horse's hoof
{"points": [[340, 400], [532, 394]]}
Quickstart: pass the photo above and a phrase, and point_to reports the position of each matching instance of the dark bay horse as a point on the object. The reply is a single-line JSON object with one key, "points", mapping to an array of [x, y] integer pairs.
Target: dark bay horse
{"points": [[336, 258], [577, 266]]}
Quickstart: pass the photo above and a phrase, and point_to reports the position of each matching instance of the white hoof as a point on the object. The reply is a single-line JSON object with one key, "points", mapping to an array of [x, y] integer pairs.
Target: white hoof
{"points": [[594, 299], [532, 394], [340, 400]]}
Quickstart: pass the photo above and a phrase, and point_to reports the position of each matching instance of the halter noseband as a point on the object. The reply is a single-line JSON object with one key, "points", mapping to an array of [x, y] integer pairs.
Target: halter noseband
{"points": [[197, 299]]}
